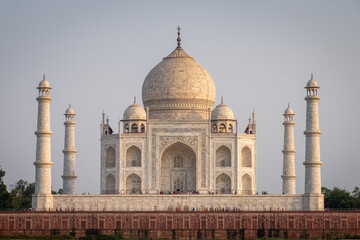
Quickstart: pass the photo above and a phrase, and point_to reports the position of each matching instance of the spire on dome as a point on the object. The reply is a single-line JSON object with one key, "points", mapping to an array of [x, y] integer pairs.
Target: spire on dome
{"points": [[134, 99], [222, 100], [44, 77], [178, 38], [178, 52]]}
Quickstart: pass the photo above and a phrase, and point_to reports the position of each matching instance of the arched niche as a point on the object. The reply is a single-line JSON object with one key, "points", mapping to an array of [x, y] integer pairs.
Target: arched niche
{"points": [[110, 184], [178, 168], [246, 184], [223, 184], [246, 157], [133, 184], [222, 128], [142, 129], [133, 157], [223, 157], [110, 157], [134, 128], [230, 128]]}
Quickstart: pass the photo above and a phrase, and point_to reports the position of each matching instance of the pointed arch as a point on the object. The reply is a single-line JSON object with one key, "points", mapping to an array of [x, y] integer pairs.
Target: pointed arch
{"points": [[133, 184], [142, 128], [214, 128], [230, 128], [133, 157], [110, 157], [223, 184], [110, 184], [223, 157], [222, 128], [134, 128], [178, 168], [246, 157], [246, 184]]}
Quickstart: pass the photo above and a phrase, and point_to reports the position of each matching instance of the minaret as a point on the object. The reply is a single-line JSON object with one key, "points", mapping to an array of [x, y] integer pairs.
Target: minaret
{"points": [[289, 153], [43, 144], [312, 133], [69, 151]]}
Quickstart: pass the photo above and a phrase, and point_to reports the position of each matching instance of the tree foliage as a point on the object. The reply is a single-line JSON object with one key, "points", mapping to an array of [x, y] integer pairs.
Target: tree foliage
{"points": [[337, 198], [5, 197], [22, 194]]}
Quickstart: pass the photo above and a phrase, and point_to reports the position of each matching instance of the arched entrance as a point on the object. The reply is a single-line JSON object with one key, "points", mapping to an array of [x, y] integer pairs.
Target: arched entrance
{"points": [[178, 169], [133, 184], [223, 184]]}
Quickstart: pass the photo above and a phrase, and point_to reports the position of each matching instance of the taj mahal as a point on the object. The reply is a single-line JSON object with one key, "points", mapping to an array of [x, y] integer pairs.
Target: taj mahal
{"points": [[178, 151]]}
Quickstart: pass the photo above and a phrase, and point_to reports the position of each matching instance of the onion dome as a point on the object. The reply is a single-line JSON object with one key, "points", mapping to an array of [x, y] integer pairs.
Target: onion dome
{"points": [[178, 84], [288, 110], [44, 83], [69, 111], [134, 112], [312, 83], [222, 112]]}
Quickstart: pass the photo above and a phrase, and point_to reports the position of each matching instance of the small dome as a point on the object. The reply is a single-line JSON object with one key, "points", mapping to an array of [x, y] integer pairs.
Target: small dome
{"points": [[288, 111], [312, 82], [134, 112], [44, 83], [70, 111], [222, 111]]}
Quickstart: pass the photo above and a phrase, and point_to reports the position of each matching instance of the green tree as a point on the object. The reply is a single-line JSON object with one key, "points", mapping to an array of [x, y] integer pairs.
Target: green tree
{"points": [[5, 197], [356, 192], [16, 198], [22, 194], [340, 198], [60, 191]]}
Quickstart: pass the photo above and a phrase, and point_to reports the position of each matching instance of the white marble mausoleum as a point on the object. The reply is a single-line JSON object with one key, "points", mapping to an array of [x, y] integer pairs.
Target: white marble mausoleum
{"points": [[178, 151]]}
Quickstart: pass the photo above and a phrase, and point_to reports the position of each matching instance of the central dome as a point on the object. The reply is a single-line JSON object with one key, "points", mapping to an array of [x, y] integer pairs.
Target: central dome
{"points": [[178, 88]]}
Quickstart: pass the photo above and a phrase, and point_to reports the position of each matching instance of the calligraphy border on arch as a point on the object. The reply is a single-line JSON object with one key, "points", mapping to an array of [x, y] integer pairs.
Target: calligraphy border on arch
{"points": [[190, 140]]}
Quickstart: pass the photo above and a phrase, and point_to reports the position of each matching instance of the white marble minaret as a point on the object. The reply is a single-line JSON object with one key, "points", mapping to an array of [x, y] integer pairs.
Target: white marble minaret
{"points": [[312, 133], [43, 147], [289, 153], [69, 151]]}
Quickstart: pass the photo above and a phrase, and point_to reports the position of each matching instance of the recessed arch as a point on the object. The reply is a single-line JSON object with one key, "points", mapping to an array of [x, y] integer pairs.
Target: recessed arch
{"points": [[110, 184], [246, 157], [110, 157], [222, 127], [142, 128], [230, 128], [246, 184], [178, 168], [133, 157], [223, 184], [223, 157], [133, 184], [214, 128], [134, 128]]}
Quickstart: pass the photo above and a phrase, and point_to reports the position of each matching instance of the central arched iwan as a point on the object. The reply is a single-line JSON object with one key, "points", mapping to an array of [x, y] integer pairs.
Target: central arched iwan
{"points": [[178, 169]]}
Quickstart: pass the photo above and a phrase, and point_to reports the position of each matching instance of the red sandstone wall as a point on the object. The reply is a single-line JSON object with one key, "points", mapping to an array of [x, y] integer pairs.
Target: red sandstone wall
{"points": [[236, 225]]}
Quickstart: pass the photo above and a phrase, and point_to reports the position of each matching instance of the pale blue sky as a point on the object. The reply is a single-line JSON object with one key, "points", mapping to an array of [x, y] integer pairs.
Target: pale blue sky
{"points": [[260, 54]]}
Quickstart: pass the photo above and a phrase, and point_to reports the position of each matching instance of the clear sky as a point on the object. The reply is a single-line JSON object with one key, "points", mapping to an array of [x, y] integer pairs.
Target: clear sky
{"points": [[260, 54]]}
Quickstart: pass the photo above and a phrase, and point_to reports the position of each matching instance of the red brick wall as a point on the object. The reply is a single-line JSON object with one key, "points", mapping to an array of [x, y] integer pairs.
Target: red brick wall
{"points": [[239, 225]]}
